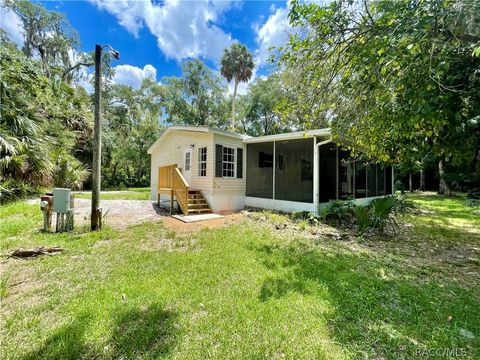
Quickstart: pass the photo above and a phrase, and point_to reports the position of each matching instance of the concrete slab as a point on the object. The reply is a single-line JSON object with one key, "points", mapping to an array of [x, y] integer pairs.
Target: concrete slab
{"points": [[195, 218]]}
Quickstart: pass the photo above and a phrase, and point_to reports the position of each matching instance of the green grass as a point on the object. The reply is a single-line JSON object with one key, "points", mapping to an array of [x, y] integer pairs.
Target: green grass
{"points": [[128, 194], [245, 291]]}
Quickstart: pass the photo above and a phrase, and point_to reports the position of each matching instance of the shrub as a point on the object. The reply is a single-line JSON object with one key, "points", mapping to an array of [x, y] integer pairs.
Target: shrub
{"points": [[338, 210], [474, 194], [472, 203], [364, 221], [398, 186], [308, 216], [381, 213], [13, 190], [401, 204]]}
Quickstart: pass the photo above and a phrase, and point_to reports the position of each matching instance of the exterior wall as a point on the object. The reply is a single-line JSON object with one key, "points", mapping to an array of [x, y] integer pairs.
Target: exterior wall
{"points": [[228, 193], [171, 151], [280, 205]]}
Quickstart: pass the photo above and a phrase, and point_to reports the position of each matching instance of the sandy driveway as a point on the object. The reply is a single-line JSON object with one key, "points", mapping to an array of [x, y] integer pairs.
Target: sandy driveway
{"points": [[116, 213], [120, 213]]}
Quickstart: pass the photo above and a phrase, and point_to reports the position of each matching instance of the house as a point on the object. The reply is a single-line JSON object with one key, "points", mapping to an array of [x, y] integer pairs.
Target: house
{"points": [[205, 169]]}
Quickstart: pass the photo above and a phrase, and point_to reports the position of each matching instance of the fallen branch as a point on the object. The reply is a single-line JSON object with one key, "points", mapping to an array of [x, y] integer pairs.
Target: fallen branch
{"points": [[22, 253]]}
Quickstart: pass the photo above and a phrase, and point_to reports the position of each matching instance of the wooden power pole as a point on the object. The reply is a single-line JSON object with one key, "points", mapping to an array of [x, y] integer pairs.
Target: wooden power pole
{"points": [[95, 220], [96, 215]]}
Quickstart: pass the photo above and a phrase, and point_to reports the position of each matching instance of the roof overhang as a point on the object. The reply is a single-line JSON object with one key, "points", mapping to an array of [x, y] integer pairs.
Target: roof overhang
{"points": [[324, 133], [204, 129]]}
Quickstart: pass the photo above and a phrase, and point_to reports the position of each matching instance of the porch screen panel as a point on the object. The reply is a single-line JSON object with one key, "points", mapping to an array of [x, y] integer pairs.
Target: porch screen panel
{"points": [[345, 175], [328, 172], [294, 170], [372, 180], [388, 180], [380, 180], [259, 175], [360, 180]]}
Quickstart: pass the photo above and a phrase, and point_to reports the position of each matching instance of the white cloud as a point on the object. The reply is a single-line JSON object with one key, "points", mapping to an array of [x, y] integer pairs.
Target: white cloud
{"points": [[273, 33], [133, 76], [183, 28], [12, 25]]}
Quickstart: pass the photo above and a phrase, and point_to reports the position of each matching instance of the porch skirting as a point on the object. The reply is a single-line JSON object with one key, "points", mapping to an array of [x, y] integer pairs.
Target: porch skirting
{"points": [[292, 206], [280, 205]]}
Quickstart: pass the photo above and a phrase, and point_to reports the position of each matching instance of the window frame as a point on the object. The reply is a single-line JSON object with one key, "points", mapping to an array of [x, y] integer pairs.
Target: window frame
{"points": [[232, 163], [189, 153], [202, 163]]}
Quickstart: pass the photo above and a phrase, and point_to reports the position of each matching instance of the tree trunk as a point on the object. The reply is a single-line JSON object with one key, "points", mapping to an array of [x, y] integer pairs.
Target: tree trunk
{"points": [[422, 180], [443, 188], [410, 182], [477, 168], [233, 103]]}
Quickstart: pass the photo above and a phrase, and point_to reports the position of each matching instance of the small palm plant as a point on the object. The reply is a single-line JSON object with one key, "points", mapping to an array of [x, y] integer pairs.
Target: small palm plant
{"points": [[382, 213]]}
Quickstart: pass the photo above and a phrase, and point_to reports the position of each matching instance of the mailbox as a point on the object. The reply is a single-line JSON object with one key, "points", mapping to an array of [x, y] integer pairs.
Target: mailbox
{"points": [[61, 200], [46, 203]]}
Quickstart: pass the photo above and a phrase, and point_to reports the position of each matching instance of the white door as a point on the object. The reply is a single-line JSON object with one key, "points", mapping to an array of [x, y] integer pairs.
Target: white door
{"points": [[187, 166]]}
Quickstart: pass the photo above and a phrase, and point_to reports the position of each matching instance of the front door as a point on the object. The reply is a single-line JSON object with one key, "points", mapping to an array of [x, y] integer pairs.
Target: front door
{"points": [[187, 166]]}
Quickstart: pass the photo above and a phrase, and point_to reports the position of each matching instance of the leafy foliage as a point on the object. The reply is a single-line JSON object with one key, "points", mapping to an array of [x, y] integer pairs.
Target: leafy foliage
{"points": [[363, 218], [398, 78], [42, 124], [196, 98], [307, 216], [337, 211]]}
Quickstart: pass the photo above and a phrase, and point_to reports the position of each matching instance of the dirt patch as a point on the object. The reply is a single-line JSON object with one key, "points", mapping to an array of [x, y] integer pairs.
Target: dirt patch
{"points": [[181, 227]]}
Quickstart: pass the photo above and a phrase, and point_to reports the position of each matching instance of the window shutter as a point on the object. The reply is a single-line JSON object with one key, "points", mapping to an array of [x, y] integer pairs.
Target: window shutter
{"points": [[218, 160], [239, 163]]}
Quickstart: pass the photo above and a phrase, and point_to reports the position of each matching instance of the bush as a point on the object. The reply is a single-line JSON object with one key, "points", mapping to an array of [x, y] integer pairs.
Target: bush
{"points": [[380, 213], [364, 221], [338, 210], [307, 216], [401, 204], [474, 194], [472, 203], [12, 190], [398, 186]]}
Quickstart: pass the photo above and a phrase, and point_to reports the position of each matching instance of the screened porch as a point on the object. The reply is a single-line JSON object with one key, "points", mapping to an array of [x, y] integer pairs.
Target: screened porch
{"points": [[304, 173]]}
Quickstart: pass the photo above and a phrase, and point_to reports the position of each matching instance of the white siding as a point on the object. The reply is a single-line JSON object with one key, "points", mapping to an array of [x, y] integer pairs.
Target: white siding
{"points": [[229, 193], [170, 151]]}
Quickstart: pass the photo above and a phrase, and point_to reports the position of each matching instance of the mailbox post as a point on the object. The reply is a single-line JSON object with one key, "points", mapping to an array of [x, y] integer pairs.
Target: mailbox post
{"points": [[46, 205]]}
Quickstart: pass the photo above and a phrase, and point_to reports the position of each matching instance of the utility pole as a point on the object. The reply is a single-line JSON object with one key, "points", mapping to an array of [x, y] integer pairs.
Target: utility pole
{"points": [[95, 221], [96, 213]]}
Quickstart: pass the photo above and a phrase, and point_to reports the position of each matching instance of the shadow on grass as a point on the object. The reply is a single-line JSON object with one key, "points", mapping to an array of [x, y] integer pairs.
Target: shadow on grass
{"points": [[145, 333], [381, 309]]}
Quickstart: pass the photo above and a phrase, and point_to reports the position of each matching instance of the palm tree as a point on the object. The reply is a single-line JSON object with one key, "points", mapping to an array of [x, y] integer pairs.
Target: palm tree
{"points": [[237, 64]]}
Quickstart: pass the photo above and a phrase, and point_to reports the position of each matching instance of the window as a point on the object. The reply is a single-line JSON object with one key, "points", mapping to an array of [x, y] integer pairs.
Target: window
{"points": [[202, 161], [188, 155], [228, 162], [265, 160]]}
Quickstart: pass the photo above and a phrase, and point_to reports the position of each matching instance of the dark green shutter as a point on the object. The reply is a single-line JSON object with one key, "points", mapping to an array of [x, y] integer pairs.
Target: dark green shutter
{"points": [[239, 163], [218, 160]]}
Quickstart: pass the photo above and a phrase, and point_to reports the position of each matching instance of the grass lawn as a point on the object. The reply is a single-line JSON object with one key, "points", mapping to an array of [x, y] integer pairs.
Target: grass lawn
{"points": [[244, 291], [129, 194]]}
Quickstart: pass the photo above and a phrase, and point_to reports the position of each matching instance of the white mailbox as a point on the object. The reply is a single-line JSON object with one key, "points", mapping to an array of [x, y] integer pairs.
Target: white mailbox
{"points": [[61, 200]]}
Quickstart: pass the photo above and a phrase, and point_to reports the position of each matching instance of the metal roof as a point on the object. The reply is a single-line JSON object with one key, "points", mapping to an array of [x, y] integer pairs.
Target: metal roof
{"points": [[290, 136]]}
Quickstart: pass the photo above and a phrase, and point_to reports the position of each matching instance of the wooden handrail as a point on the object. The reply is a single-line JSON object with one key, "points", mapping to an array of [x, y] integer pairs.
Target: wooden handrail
{"points": [[170, 177]]}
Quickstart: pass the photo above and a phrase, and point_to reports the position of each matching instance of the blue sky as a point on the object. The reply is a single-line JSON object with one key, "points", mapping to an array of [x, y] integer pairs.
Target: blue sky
{"points": [[155, 37]]}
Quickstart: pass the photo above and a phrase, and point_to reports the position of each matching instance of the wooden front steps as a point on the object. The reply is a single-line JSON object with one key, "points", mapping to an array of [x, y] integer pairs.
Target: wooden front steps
{"points": [[197, 203]]}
